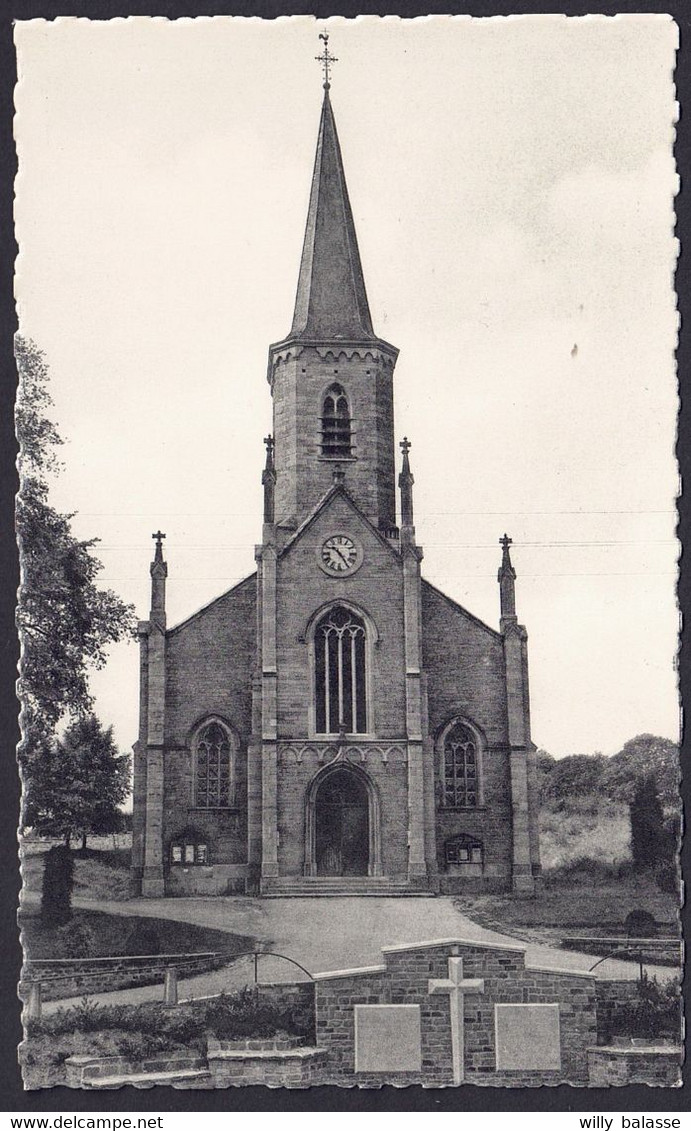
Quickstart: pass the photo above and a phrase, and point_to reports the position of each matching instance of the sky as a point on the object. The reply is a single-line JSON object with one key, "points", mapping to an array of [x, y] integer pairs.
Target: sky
{"points": [[512, 185]]}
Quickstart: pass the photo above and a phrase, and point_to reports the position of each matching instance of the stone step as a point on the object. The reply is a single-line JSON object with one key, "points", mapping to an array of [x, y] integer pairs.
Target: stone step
{"points": [[192, 1076], [339, 886]]}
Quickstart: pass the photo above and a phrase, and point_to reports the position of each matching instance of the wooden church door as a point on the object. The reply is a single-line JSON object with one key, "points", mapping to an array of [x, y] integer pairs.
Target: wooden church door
{"points": [[342, 826]]}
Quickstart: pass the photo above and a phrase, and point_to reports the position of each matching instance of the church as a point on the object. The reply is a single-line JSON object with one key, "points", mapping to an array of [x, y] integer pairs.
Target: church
{"points": [[334, 724]]}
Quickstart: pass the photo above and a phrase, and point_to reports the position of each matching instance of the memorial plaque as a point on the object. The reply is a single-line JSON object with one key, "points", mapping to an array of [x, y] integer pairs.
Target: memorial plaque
{"points": [[527, 1038], [387, 1038]]}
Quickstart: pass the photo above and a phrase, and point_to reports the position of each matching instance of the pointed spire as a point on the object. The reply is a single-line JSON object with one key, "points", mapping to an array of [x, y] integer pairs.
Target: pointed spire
{"points": [[331, 300], [405, 482], [159, 573], [269, 480], [506, 578]]}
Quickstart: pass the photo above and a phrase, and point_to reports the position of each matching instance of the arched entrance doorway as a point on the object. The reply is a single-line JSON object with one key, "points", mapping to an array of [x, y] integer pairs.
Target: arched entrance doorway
{"points": [[342, 825]]}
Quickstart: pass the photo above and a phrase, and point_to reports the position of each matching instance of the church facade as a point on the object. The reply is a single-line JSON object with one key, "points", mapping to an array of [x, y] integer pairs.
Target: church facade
{"points": [[334, 724]]}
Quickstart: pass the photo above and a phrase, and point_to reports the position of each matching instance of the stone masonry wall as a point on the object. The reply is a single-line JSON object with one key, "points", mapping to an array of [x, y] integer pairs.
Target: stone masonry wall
{"points": [[405, 981], [68, 977], [210, 659], [376, 588], [304, 476], [464, 662], [616, 1067]]}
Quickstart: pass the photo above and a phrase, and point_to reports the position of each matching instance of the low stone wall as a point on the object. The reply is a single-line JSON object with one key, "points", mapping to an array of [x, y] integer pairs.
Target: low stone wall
{"points": [[279, 1062], [70, 977], [268, 1064], [663, 952], [86, 1071], [657, 1065]]}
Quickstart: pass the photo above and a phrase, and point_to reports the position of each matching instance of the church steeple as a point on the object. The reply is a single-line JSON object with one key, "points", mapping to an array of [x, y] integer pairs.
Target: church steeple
{"points": [[331, 300], [332, 377]]}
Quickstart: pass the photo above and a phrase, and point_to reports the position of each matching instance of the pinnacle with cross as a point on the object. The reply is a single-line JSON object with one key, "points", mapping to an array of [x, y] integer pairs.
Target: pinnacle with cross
{"points": [[405, 445], [326, 58], [269, 441], [159, 536], [506, 541]]}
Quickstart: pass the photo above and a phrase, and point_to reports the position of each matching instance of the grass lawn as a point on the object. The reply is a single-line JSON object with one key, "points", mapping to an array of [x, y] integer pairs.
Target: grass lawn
{"points": [[584, 826], [102, 872], [111, 932], [585, 900]]}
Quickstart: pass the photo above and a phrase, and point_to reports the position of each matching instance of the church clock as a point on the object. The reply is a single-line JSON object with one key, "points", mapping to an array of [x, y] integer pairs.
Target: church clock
{"points": [[340, 555]]}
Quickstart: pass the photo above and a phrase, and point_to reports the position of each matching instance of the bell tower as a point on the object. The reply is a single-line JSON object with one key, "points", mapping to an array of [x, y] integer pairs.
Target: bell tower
{"points": [[332, 378]]}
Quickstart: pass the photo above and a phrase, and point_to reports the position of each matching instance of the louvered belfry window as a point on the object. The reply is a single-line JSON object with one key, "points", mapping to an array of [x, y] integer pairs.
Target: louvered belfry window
{"points": [[336, 432], [213, 768], [339, 655], [461, 783]]}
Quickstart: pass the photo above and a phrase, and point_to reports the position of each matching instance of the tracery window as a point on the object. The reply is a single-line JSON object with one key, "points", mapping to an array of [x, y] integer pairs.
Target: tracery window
{"points": [[336, 431], [340, 673], [213, 781], [461, 778]]}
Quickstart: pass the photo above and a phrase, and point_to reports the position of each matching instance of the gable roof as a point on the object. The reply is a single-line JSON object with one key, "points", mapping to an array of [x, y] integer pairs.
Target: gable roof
{"points": [[336, 490], [210, 604], [459, 608]]}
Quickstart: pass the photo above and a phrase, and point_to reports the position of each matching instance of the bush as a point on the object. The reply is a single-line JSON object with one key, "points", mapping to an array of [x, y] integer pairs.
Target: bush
{"points": [[143, 939], [247, 1014], [144, 1029], [56, 895], [657, 1013], [76, 939]]}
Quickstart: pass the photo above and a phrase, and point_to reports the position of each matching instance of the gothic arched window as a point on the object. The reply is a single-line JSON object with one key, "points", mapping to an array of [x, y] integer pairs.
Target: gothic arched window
{"points": [[340, 673], [336, 433], [214, 784], [461, 769]]}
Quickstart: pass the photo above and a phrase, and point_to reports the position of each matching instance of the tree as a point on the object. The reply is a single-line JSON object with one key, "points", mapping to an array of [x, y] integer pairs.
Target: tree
{"points": [[576, 775], [649, 839], [66, 621], [645, 754], [76, 785]]}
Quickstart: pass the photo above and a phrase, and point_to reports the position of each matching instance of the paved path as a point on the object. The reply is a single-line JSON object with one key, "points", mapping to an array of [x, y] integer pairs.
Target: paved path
{"points": [[326, 934]]}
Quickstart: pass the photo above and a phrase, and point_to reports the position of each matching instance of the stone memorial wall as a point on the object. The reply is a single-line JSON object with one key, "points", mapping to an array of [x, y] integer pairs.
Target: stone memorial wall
{"points": [[452, 1012]]}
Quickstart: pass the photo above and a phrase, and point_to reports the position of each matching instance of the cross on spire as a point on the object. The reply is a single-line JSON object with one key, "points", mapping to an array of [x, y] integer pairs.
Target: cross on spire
{"points": [[506, 542], [159, 536], [456, 986], [405, 445], [269, 441], [326, 58]]}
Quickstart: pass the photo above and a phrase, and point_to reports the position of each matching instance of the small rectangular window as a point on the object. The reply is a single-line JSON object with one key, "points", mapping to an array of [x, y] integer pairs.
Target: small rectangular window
{"points": [[202, 855], [176, 854], [189, 854]]}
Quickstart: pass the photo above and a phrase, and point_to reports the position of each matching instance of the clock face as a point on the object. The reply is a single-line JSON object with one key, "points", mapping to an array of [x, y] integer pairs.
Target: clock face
{"points": [[339, 555]]}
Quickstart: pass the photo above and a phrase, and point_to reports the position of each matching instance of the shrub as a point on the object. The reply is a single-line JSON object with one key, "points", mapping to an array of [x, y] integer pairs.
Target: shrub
{"points": [[76, 939], [143, 939], [247, 1014], [58, 877], [656, 1014]]}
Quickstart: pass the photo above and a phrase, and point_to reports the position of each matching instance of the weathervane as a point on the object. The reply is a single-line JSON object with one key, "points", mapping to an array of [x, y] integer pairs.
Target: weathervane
{"points": [[326, 58]]}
